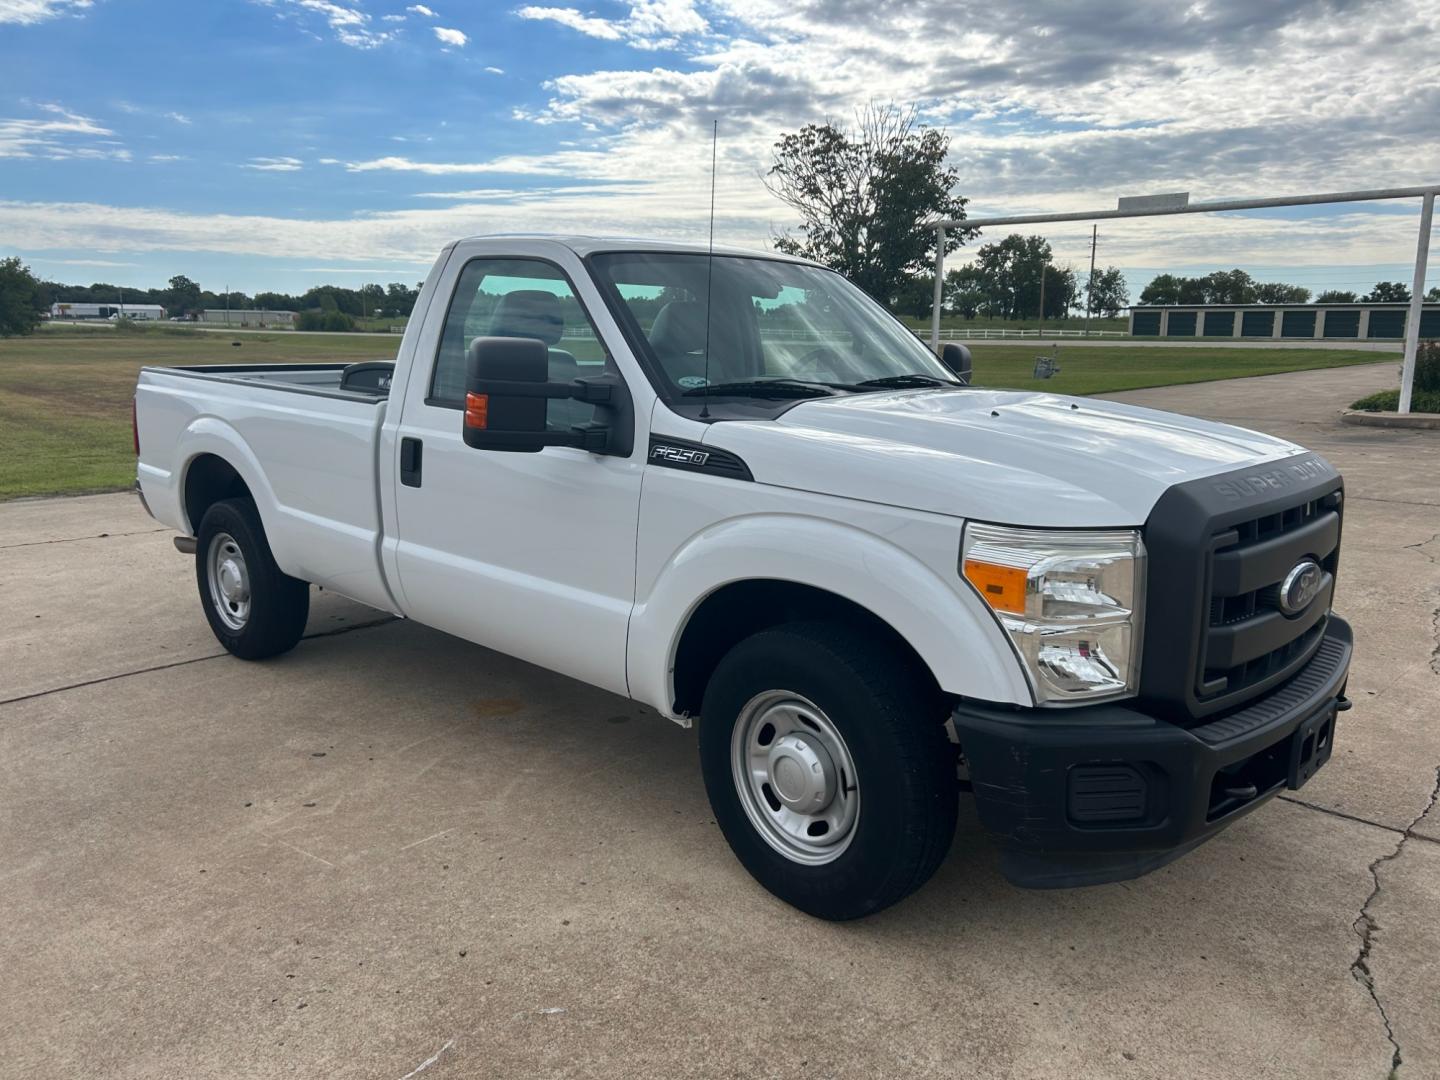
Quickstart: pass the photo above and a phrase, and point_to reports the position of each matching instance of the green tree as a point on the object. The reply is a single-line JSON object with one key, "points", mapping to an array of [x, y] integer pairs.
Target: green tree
{"points": [[1386, 292], [1163, 289], [1277, 292], [1108, 292], [183, 296], [21, 301], [964, 291], [868, 196], [1009, 272], [1336, 296], [400, 298], [915, 296], [1433, 296], [1061, 291], [1229, 287]]}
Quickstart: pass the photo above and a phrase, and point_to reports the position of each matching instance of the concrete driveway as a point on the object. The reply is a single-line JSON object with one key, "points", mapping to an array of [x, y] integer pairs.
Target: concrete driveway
{"points": [[392, 854]]}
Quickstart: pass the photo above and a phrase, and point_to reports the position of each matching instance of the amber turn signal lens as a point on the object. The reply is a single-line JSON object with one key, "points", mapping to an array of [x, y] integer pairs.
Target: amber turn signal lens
{"points": [[1003, 587], [477, 410]]}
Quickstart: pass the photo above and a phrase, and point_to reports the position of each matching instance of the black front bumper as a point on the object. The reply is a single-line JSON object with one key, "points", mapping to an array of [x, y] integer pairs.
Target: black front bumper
{"points": [[1106, 793]]}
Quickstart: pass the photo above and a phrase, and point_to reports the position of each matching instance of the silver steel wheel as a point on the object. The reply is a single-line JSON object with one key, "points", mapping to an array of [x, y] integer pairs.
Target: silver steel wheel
{"points": [[795, 777], [229, 581]]}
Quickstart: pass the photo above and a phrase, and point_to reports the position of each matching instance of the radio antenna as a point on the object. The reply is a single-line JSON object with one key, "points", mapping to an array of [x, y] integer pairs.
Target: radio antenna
{"points": [[710, 268]]}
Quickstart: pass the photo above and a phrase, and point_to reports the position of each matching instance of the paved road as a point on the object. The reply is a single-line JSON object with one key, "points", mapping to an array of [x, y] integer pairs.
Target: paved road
{"points": [[391, 851]]}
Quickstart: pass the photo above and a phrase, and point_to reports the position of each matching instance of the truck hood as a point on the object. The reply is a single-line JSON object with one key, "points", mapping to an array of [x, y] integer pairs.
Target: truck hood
{"points": [[1010, 456]]}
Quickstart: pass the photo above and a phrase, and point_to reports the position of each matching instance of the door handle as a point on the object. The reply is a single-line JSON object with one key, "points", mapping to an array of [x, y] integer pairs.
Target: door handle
{"points": [[411, 455]]}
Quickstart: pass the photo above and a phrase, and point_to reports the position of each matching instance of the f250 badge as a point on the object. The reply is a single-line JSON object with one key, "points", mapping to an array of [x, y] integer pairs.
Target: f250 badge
{"points": [[678, 455]]}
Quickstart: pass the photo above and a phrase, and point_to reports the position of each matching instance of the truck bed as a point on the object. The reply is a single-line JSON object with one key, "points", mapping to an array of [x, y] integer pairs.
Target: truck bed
{"points": [[305, 441], [365, 380]]}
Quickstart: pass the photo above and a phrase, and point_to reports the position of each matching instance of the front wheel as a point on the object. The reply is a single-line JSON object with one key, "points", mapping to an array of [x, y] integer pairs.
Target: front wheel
{"points": [[829, 771], [255, 609]]}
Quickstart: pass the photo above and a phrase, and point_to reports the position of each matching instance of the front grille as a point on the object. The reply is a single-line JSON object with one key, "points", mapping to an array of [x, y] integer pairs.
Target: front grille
{"points": [[1218, 549], [1247, 641]]}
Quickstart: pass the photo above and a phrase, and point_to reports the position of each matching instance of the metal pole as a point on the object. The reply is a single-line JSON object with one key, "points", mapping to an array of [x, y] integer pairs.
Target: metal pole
{"points": [[1043, 267], [1090, 284], [939, 288], [1412, 320], [1196, 207]]}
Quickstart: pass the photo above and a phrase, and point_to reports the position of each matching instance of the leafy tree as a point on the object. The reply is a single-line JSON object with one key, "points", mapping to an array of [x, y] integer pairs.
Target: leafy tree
{"points": [[1009, 274], [1386, 292], [1163, 289], [183, 296], [21, 301], [1229, 287], [1108, 292], [1433, 296], [274, 301], [868, 196], [964, 291], [400, 299], [1061, 291], [1276, 292], [915, 296], [1336, 296]]}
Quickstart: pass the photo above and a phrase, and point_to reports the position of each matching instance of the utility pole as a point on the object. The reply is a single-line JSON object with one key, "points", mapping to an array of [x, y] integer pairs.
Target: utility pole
{"points": [[1043, 267], [227, 304], [1090, 282]]}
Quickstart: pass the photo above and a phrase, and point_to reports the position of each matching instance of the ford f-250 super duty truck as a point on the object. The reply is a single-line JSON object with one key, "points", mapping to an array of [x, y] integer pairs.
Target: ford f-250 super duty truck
{"points": [[732, 487]]}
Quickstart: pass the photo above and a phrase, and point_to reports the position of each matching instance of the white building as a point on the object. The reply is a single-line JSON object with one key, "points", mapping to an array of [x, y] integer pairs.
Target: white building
{"points": [[140, 312]]}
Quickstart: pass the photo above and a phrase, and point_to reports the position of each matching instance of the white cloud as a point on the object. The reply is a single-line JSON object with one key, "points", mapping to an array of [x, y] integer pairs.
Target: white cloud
{"points": [[350, 25], [161, 159], [421, 9], [28, 12], [593, 27], [274, 164], [60, 133], [447, 36], [650, 24], [179, 118], [392, 18], [495, 70]]}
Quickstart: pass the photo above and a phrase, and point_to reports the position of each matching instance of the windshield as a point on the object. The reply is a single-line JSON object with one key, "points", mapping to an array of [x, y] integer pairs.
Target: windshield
{"points": [[774, 330]]}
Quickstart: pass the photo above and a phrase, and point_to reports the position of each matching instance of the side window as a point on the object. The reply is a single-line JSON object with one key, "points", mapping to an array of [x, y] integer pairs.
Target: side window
{"points": [[518, 298]]}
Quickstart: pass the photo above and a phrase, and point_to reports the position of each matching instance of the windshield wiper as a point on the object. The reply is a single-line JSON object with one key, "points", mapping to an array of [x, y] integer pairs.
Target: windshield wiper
{"points": [[903, 382], [777, 388]]}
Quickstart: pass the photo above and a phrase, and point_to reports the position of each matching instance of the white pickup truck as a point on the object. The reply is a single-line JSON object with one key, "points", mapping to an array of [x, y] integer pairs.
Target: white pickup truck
{"points": [[732, 487]]}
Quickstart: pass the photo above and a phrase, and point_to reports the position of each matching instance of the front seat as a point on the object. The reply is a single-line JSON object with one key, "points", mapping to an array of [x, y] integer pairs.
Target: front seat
{"points": [[677, 337], [535, 313]]}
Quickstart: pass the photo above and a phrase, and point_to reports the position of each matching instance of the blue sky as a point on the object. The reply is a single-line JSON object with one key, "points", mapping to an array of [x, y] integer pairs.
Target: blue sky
{"points": [[282, 143]]}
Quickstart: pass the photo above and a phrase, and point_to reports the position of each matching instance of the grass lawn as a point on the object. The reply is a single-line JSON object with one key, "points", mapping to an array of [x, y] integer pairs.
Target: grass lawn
{"points": [[1102, 369], [65, 393]]}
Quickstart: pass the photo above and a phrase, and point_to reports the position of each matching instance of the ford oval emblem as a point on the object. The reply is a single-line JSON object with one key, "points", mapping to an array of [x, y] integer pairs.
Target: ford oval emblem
{"points": [[1300, 586]]}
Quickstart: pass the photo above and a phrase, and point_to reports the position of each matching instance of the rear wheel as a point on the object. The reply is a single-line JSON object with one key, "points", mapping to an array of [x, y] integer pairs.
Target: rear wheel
{"points": [[830, 773], [254, 608]]}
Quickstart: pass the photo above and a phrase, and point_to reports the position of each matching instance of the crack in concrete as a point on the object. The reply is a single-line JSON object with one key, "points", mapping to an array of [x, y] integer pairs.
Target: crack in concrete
{"points": [[182, 663], [1330, 810], [1423, 544], [77, 539], [1365, 927]]}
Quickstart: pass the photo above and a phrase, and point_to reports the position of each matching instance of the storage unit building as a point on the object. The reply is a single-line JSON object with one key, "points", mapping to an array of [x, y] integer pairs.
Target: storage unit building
{"points": [[1381, 322]]}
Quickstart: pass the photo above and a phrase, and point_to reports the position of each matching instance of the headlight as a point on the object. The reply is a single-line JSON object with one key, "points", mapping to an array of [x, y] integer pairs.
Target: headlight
{"points": [[1070, 600]]}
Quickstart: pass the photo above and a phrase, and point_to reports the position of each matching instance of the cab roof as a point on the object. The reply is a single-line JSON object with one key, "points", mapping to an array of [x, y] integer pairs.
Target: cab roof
{"points": [[584, 245]]}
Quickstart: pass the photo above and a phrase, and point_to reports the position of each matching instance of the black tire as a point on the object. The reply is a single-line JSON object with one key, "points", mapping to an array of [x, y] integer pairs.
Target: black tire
{"points": [[893, 732], [278, 605]]}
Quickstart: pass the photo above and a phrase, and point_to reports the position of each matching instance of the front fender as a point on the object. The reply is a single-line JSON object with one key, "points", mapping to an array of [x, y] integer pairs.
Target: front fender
{"points": [[938, 616]]}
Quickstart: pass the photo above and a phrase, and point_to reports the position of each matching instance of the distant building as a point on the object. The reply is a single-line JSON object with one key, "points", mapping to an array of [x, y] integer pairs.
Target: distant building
{"points": [[1362, 321], [141, 312], [248, 317]]}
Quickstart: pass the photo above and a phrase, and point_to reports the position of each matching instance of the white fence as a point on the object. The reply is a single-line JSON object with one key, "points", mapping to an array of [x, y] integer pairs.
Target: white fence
{"points": [[987, 333]]}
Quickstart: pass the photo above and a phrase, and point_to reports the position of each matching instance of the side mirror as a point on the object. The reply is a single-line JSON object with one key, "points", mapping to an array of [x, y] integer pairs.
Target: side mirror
{"points": [[507, 390], [499, 413], [957, 359]]}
